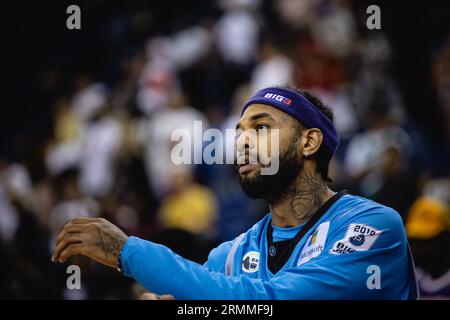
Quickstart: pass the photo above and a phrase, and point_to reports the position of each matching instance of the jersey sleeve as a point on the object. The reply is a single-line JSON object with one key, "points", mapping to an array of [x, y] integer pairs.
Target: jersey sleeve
{"points": [[218, 256], [373, 267]]}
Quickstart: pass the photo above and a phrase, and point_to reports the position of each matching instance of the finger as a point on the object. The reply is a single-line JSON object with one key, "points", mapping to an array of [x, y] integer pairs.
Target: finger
{"points": [[82, 220], [154, 296], [70, 238], [73, 228], [148, 296], [71, 250], [68, 228]]}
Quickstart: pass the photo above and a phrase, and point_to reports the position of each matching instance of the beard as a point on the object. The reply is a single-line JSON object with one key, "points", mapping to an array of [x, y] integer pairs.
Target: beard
{"points": [[274, 188]]}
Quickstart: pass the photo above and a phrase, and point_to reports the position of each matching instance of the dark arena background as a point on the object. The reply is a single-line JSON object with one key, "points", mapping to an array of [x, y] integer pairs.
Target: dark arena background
{"points": [[87, 113]]}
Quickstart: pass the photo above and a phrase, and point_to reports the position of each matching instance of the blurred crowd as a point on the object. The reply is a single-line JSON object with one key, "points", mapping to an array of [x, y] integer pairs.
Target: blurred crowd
{"points": [[96, 136]]}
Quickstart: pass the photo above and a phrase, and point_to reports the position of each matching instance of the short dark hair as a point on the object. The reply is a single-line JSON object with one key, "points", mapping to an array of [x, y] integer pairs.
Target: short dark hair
{"points": [[322, 155]]}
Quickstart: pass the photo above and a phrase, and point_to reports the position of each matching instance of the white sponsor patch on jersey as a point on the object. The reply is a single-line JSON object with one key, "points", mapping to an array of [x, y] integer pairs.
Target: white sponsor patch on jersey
{"points": [[250, 262], [314, 244], [359, 237]]}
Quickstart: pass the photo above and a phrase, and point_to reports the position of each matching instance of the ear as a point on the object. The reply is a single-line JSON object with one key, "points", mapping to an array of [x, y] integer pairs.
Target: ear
{"points": [[311, 141]]}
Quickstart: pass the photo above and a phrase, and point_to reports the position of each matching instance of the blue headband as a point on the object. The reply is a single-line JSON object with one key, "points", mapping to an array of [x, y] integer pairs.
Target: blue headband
{"points": [[300, 108]]}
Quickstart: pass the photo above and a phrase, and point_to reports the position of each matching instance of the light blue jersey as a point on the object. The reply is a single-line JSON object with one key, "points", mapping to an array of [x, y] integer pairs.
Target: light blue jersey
{"points": [[357, 249]]}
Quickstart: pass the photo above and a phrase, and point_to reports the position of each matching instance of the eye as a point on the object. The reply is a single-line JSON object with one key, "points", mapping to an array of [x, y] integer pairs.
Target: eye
{"points": [[262, 127]]}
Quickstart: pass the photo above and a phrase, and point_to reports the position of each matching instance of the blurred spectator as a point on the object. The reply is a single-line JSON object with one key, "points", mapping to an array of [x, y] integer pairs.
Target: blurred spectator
{"points": [[428, 228], [89, 98], [398, 187], [274, 68], [441, 79], [156, 136], [237, 36], [363, 159], [72, 203], [334, 29], [295, 13], [157, 79], [102, 139], [15, 185], [189, 206]]}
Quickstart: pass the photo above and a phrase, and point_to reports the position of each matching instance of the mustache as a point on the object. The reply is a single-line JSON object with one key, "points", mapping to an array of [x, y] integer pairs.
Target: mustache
{"points": [[244, 159]]}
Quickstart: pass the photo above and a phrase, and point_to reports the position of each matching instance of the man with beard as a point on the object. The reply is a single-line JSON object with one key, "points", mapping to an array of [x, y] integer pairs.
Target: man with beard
{"points": [[314, 243]]}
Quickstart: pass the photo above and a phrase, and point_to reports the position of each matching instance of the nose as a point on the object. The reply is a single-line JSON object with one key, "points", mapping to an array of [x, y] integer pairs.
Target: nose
{"points": [[245, 141]]}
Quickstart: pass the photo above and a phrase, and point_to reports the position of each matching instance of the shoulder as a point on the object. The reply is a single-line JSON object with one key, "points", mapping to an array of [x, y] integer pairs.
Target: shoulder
{"points": [[360, 218], [359, 208]]}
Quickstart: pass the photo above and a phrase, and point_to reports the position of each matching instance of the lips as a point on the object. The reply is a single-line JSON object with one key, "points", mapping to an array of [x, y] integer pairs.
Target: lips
{"points": [[245, 166]]}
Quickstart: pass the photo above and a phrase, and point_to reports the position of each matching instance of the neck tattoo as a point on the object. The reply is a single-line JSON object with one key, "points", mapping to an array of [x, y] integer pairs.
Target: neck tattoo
{"points": [[308, 194]]}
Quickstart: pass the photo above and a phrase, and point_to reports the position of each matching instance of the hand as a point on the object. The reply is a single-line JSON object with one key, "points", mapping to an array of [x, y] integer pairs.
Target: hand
{"points": [[96, 238], [153, 296]]}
